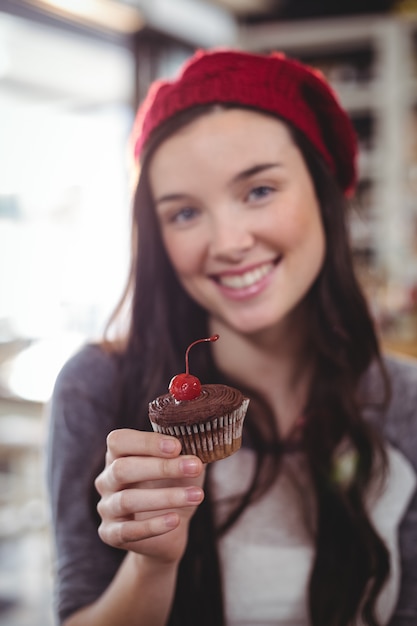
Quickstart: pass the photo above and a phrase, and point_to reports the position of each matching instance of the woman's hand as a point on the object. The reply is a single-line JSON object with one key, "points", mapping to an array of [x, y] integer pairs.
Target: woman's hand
{"points": [[148, 494]]}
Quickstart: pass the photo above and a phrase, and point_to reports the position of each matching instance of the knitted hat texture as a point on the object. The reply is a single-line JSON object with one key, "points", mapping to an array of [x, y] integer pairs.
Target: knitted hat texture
{"points": [[272, 83]]}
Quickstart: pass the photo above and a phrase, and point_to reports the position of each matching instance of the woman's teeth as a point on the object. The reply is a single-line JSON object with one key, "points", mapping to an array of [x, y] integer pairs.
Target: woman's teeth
{"points": [[239, 281]]}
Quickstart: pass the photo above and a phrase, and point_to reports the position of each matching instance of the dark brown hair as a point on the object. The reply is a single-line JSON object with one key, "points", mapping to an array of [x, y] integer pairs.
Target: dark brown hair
{"points": [[351, 562]]}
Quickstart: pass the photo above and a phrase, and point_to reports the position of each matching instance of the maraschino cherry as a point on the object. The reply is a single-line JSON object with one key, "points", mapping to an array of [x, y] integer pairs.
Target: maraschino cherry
{"points": [[186, 386]]}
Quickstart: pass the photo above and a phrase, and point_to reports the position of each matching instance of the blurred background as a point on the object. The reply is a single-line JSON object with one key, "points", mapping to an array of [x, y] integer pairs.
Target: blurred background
{"points": [[71, 75]]}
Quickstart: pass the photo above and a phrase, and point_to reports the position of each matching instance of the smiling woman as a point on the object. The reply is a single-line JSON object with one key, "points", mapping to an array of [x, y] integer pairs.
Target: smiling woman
{"points": [[246, 162], [239, 217]]}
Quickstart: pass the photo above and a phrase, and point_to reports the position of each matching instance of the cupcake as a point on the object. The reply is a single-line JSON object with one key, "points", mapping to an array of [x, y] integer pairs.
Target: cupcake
{"points": [[207, 419]]}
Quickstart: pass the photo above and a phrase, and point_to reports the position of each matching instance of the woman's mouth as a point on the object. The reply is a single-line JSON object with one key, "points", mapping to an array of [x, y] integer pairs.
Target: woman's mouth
{"points": [[237, 281], [247, 283]]}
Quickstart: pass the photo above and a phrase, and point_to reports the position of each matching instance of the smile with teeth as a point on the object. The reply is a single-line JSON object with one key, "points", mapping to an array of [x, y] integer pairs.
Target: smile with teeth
{"points": [[240, 281]]}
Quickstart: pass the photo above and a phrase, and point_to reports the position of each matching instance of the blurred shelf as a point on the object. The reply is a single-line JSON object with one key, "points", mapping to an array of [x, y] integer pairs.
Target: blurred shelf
{"points": [[371, 63]]}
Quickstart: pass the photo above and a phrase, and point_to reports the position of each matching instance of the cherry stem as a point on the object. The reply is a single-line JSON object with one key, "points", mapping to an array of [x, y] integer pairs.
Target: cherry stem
{"points": [[212, 338]]}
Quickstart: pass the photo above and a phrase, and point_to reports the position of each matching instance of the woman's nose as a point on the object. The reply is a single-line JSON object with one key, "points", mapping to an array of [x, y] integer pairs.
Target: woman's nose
{"points": [[230, 238]]}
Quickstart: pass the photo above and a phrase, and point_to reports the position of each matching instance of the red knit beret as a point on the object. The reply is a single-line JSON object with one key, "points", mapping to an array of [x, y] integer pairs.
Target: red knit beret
{"points": [[272, 83]]}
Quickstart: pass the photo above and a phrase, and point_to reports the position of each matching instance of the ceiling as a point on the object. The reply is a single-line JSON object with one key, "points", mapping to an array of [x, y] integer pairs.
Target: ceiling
{"points": [[198, 22], [267, 10]]}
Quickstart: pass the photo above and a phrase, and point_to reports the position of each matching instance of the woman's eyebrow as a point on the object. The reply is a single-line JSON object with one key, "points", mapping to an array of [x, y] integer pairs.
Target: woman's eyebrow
{"points": [[255, 169], [170, 197]]}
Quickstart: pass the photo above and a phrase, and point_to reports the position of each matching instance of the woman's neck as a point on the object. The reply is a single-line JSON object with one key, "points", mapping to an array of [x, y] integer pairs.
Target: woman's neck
{"points": [[276, 363]]}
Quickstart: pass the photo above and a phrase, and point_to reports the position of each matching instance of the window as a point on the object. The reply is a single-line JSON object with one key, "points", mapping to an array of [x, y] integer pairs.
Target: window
{"points": [[65, 117]]}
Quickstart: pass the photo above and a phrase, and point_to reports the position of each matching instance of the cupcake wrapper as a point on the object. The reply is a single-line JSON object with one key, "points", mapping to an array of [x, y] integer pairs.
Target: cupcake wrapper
{"points": [[212, 440]]}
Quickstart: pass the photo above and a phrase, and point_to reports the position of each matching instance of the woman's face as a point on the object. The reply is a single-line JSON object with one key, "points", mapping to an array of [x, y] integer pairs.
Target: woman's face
{"points": [[239, 217]]}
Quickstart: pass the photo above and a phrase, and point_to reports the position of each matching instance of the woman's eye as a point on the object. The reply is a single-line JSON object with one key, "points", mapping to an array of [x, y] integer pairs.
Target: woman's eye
{"points": [[258, 193], [181, 216]]}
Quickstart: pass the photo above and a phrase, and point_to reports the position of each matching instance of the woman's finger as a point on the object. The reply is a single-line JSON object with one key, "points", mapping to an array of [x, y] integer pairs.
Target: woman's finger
{"points": [[130, 501], [130, 442], [132, 470], [120, 533]]}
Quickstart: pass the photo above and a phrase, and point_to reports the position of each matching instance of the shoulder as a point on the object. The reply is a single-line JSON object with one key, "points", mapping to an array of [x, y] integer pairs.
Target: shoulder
{"points": [[403, 374], [86, 365], [402, 409], [92, 372], [399, 421], [401, 416], [85, 396]]}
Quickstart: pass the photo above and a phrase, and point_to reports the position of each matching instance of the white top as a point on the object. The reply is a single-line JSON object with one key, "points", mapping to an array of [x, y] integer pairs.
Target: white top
{"points": [[267, 556]]}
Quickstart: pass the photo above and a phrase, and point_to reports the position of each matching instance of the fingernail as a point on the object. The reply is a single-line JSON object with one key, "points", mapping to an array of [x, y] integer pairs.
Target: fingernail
{"points": [[171, 520], [194, 494], [168, 445], [190, 466]]}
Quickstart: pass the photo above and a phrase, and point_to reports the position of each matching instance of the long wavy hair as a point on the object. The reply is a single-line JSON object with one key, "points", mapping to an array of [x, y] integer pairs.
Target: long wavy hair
{"points": [[351, 562]]}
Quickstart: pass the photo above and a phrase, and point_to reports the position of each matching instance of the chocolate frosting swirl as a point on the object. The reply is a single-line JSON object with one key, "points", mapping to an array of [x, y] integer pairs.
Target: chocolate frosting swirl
{"points": [[214, 401]]}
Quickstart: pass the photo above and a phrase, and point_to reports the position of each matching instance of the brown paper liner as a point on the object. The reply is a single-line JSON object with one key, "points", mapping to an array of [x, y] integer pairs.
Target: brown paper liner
{"points": [[213, 440]]}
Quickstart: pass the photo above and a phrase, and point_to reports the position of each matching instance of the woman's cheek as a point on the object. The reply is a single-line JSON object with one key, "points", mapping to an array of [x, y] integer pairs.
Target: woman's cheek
{"points": [[183, 253]]}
